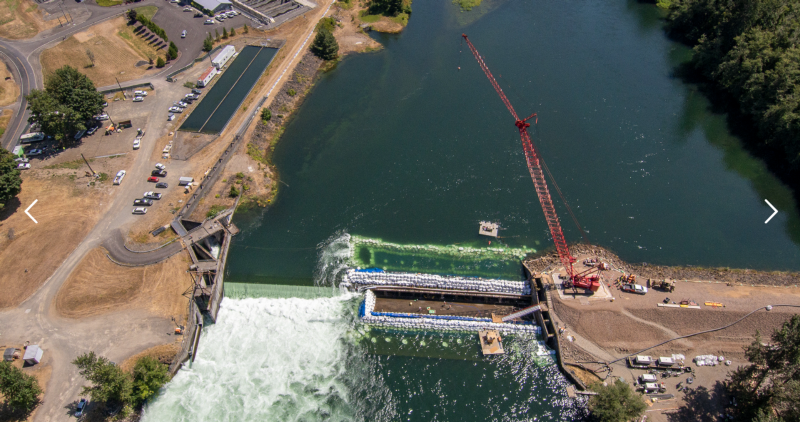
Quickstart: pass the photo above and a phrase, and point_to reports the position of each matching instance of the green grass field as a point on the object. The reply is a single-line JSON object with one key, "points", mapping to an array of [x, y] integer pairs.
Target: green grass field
{"points": [[146, 11], [106, 3]]}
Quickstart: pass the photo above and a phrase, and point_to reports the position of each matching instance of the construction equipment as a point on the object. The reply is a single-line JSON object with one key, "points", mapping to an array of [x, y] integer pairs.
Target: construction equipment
{"points": [[588, 279], [664, 285]]}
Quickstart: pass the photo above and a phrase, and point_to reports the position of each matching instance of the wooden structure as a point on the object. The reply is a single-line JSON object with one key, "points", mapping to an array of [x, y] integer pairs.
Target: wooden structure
{"points": [[491, 342]]}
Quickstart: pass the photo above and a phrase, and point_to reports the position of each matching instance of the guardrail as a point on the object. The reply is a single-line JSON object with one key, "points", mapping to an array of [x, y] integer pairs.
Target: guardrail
{"points": [[108, 89]]}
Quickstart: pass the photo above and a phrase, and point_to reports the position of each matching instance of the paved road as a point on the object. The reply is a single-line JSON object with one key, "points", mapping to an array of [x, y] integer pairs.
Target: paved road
{"points": [[115, 245]]}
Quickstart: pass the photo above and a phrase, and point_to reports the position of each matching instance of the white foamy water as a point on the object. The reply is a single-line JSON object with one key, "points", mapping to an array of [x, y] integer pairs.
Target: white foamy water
{"points": [[274, 360]]}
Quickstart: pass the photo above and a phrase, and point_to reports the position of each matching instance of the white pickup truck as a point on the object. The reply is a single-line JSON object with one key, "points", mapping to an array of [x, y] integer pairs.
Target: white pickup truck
{"points": [[120, 175]]}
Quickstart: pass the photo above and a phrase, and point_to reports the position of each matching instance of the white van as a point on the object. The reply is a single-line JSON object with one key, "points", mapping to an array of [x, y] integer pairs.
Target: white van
{"points": [[139, 93], [31, 137], [183, 181]]}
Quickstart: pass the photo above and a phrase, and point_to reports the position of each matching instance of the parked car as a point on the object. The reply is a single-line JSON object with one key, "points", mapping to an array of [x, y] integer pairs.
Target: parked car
{"points": [[138, 99], [209, 21], [137, 143], [171, 117], [152, 195], [187, 9], [79, 135], [101, 117], [230, 14], [34, 152], [140, 210], [23, 166], [160, 166], [91, 131], [182, 104], [162, 185], [634, 288], [183, 34], [176, 109], [21, 160], [152, 179], [196, 91], [81, 408], [143, 201], [105, 103], [120, 175], [159, 173], [139, 93]]}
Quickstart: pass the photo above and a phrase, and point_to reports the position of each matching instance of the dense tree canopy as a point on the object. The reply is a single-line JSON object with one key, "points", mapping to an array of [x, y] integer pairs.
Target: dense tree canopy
{"points": [[769, 388], [67, 103], [325, 45], [20, 391], [148, 376], [616, 402], [389, 7], [749, 49], [109, 383], [10, 180]]}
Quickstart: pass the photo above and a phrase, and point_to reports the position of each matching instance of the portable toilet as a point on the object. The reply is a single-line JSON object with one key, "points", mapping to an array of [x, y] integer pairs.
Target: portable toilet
{"points": [[645, 378], [33, 355], [8, 354], [663, 361]]}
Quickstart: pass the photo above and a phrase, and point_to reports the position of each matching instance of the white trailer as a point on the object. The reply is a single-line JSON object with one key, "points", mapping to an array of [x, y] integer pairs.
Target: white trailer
{"points": [[223, 57], [207, 76], [33, 355]]}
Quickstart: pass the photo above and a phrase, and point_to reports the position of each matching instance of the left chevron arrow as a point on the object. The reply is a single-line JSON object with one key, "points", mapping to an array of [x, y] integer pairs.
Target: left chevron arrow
{"points": [[29, 208]]}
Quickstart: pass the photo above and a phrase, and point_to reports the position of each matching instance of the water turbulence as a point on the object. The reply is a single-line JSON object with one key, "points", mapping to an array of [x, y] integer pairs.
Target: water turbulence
{"points": [[277, 360]]}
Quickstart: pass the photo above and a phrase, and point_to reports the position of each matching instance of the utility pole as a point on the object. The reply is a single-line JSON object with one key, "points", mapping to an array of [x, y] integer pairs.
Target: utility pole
{"points": [[120, 88], [87, 164], [62, 11]]}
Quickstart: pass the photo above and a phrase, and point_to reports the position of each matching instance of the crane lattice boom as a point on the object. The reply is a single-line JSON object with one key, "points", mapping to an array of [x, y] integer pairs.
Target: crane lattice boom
{"points": [[539, 183]]}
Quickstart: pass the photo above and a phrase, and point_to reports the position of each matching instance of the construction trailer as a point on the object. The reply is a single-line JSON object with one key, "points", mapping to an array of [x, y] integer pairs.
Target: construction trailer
{"points": [[33, 355], [223, 57], [207, 76]]}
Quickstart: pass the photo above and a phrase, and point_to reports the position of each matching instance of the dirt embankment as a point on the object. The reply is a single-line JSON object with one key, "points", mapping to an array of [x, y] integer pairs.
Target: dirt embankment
{"points": [[99, 286], [9, 90], [21, 19], [660, 272]]}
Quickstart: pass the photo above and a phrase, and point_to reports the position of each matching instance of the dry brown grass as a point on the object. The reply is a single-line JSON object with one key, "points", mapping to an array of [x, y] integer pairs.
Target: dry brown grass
{"points": [[114, 56], [9, 90], [164, 353], [21, 19], [65, 213], [99, 286], [5, 117]]}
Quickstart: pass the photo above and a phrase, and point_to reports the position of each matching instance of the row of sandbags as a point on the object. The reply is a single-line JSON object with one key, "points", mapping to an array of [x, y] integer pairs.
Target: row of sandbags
{"points": [[433, 281]]}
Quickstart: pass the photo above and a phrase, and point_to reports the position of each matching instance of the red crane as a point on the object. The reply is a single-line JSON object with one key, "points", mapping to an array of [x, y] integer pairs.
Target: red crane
{"points": [[582, 280]]}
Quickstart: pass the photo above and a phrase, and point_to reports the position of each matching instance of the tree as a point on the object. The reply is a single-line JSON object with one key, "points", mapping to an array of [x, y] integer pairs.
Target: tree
{"points": [[224, 33], [208, 44], [109, 383], [234, 192], [68, 101], [148, 376], [10, 180], [770, 385], [245, 29], [132, 15], [160, 62], [266, 114], [216, 32], [172, 51], [325, 45], [90, 55], [616, 402], [20, 390], [233, 32]]}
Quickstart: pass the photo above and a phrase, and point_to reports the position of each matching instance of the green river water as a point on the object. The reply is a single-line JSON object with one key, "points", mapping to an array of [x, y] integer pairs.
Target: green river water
{"points": [[397, 155]]}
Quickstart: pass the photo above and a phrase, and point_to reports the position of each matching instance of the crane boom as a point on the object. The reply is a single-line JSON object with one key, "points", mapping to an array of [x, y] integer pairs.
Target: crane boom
{"points": [[535, 169]]}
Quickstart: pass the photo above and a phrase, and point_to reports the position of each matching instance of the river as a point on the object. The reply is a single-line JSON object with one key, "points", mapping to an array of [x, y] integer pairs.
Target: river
{"points": [[400, 147]]}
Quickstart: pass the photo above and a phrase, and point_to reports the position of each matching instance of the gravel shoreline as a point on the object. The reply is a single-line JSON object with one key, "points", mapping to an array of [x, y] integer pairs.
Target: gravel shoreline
{"points": [[644, 271]]}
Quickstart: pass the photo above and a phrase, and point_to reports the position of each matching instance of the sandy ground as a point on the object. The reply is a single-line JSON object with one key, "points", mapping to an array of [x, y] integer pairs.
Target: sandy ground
{"points": [[349, 34], [99, 286], [9, 90], [20, 19], [66, 209], [114, 56], [603, 330]]}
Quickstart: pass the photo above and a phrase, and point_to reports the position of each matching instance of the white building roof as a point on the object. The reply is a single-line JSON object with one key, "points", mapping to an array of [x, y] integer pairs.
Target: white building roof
{"points": [[211, 4]]}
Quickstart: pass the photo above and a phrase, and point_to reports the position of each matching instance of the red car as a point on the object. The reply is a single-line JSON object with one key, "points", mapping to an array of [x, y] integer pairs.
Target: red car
{"points": [[152, 179]]}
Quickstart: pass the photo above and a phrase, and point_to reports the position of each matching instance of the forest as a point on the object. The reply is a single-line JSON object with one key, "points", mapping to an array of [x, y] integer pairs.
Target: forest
{"points": [[748, 50]]}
